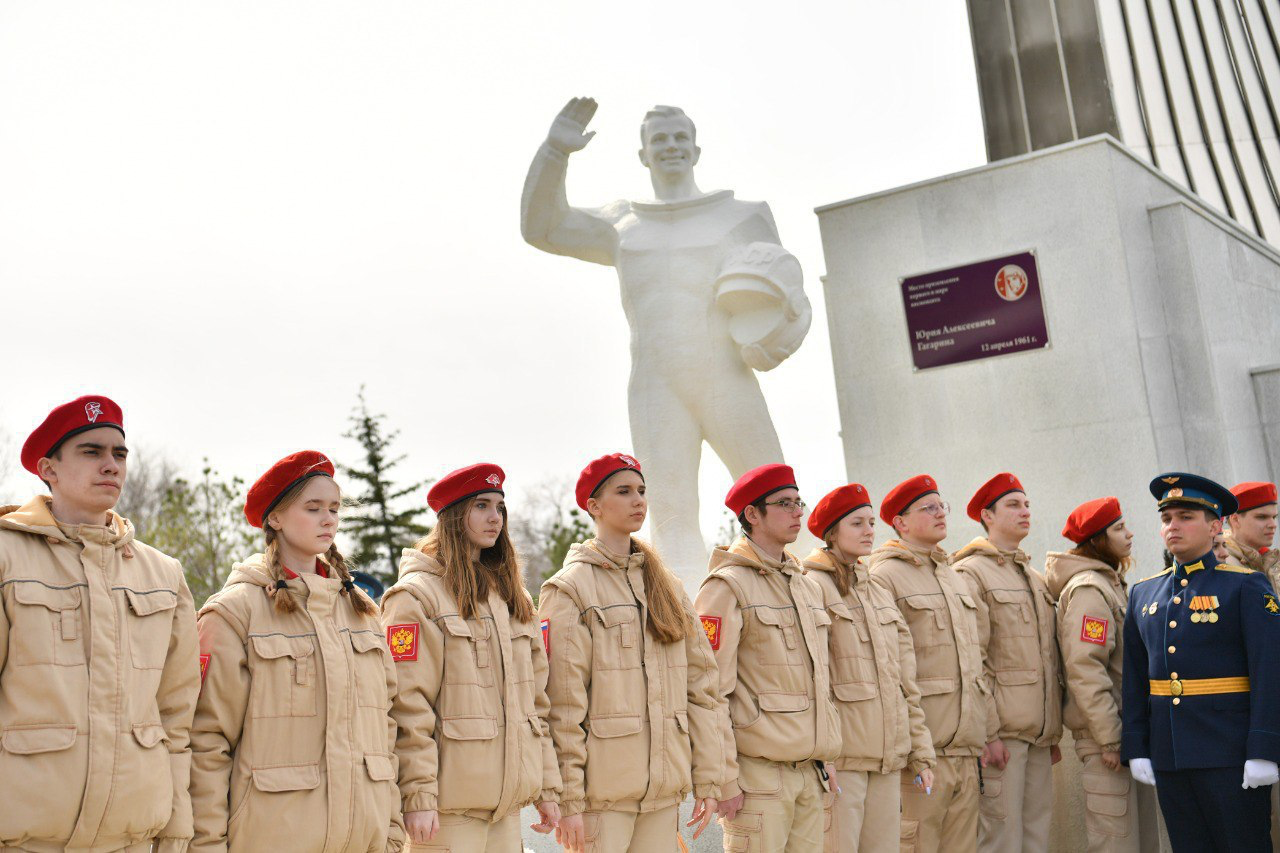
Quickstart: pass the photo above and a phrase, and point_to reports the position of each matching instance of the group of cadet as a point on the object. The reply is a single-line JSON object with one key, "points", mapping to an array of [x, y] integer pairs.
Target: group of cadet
{"points": [[863, 699]]}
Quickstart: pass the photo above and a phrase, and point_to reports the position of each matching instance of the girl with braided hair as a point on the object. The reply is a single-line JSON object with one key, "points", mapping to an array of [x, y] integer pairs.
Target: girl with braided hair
{"points": [[297, 684]]}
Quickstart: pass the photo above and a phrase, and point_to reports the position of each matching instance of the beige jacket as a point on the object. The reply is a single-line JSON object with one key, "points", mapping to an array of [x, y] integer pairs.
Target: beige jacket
{"points": [[1018, 638], [1092, 600], [873, 674], [941, 614], [472, 705], [637, 723], [769, 635], [292, 742], [1268, 563], [98, 681]]}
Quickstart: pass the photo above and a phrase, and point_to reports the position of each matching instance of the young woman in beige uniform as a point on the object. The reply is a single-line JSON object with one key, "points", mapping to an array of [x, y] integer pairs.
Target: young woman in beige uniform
{"points": [[292, 741], [873, 677], [637, 719], [471, 706], [1089, 585]]}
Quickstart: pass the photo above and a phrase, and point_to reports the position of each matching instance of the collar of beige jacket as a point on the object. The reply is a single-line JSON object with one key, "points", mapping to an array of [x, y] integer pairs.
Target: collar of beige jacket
{"points": [[787, 566], [633, 560]]}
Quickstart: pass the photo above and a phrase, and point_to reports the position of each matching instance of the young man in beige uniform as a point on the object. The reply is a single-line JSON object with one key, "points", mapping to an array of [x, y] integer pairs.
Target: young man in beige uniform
{"points": [[1249, 544], [1120, 816], [940, 611], [98, 663], [1017, 636], [768, 630]]}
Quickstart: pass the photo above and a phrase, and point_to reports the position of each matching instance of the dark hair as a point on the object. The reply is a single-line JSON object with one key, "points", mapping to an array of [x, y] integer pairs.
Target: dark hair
{"points": [[761, 505]]}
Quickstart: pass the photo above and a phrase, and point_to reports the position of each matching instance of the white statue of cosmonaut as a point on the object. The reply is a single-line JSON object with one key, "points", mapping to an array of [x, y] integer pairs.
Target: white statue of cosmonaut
{"points": [[710, 295]]}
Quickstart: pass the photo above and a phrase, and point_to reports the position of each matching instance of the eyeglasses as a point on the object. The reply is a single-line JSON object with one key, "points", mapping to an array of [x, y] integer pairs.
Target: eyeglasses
{"points": [[936, 510], [788, 504]]}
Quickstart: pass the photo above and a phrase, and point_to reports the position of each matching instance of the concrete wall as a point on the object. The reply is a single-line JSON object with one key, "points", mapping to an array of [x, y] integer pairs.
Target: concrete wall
{"points": [[1159, 313]]}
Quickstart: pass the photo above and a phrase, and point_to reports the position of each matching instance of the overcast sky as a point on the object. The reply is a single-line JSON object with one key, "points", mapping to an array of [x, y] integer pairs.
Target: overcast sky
{"points": [[228, 216]]}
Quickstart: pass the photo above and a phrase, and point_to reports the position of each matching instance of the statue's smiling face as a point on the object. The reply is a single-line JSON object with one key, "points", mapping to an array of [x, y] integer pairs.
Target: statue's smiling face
{"points": [[669, 147]]}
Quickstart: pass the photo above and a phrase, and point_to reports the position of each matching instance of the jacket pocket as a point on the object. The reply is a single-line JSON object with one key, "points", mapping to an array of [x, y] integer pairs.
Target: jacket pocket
{"points": [[1015, 677], [283, 676], [783, 703], [926, 616], [524, 636], [296, 777], [936, 686], [36, 739], [369, 650], [469, 728], [150, 625], [467, 658], [776, 637], [855, 691], [380, 766], [616, 755], [47, 627], [148, 734], [615, 638], [1011, 613]]}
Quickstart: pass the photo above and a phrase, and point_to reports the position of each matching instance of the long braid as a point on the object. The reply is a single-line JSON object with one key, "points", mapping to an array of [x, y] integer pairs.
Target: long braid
{"points": [[284, 602], [362, 603]]}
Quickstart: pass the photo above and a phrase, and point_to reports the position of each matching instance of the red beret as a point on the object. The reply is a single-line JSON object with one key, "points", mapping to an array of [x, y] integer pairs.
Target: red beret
{"points": [[1254, 495], [1091, 518], [465, 483], [80, 415], [758, 483], [992, 491], [906, 493], [835, 505], [280, 478], [600, 470]]}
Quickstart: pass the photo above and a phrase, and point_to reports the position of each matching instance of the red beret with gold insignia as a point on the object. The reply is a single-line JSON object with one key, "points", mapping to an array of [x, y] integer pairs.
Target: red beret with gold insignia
{"points": [[758, 483], [906, 493], [992, 490], [266, 493], [1254, 495], [80, 415], [835, 505], [599, 470], [465, 483], [1091, 518]]}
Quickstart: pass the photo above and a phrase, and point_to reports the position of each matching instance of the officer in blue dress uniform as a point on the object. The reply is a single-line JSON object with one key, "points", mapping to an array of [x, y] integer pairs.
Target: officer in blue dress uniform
{"points": [[1202, 680]]}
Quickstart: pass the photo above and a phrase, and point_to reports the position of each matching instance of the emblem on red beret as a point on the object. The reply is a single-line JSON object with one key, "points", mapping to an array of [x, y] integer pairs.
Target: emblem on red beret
{"points": [[80, 415], [599, 470], [493, 480]]}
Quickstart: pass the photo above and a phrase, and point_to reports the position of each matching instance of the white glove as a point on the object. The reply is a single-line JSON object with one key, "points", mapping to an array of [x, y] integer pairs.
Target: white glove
{"points": [[1259, 773], [1140, 769]]}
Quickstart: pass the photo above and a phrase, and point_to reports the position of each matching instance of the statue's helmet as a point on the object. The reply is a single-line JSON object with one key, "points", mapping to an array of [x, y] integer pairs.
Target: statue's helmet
{"points": [[761, 287]]}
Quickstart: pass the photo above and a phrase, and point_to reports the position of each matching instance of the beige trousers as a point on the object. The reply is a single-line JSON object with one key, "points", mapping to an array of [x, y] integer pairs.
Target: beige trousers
{"points": [[462, 834], [867, 813], [786, 810], [632, 832], [1017, 802], [947, 819], [1120, 815]]}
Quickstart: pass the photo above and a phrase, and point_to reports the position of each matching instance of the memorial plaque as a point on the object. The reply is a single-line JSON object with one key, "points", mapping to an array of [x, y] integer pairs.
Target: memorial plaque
{"points": [[975, 311]]}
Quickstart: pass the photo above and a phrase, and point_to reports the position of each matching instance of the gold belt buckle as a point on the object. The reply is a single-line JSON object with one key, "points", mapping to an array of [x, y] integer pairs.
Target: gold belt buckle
{"points": [[1175, 687]]}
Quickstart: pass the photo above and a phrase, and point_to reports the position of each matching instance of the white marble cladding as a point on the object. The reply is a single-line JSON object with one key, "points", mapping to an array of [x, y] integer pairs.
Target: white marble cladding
{"points": [[1158, 309]]}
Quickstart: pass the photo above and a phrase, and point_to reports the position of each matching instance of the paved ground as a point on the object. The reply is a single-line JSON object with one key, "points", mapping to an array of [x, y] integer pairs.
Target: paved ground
{"points": [[708, 842]]}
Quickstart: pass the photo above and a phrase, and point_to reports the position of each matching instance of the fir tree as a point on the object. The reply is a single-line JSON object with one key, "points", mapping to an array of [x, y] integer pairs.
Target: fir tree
{"points": [[378, 529]]}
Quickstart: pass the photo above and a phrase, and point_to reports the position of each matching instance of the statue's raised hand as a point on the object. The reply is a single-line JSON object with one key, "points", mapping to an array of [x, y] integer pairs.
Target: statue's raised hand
{"points": [[568, 132]]}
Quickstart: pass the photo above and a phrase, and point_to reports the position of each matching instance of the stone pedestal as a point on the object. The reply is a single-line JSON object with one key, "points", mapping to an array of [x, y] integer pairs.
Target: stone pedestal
{"points": [[1164, 322]]}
